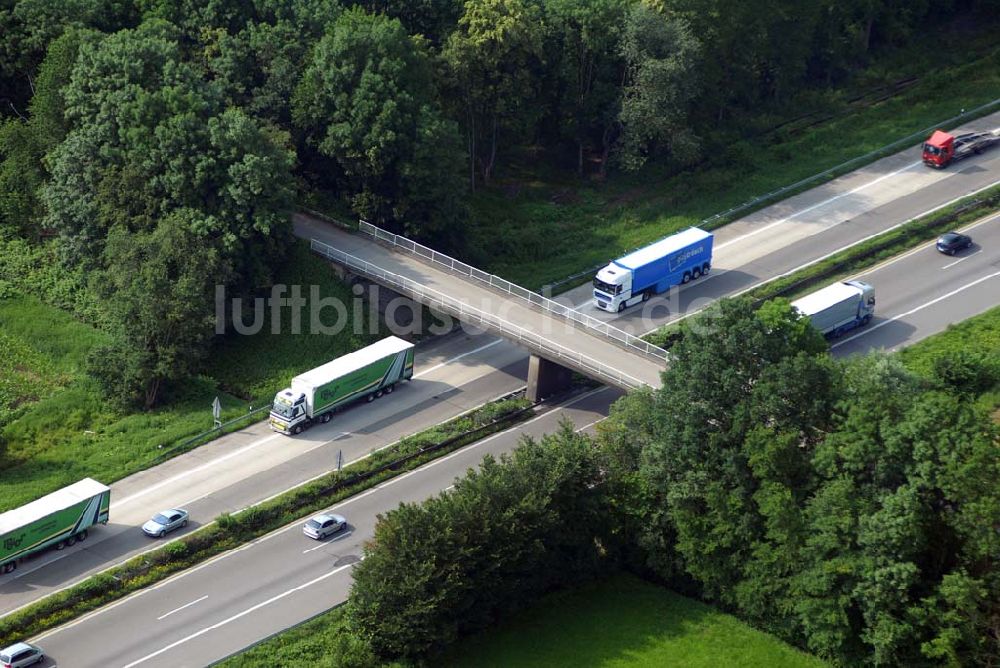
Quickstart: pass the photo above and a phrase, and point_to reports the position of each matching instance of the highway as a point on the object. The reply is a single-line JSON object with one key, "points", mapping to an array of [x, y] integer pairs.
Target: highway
{"points": [[216, 609], [213, 610], [460, 371], [922, 291]]}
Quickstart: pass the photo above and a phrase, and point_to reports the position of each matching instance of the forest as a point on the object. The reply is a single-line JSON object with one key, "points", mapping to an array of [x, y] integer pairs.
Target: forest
{"points": [[153, 149]]}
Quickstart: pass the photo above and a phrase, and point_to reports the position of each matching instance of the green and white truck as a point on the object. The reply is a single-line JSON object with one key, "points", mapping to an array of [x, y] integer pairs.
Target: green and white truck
{"points": [[367, 373], [58, 519]]}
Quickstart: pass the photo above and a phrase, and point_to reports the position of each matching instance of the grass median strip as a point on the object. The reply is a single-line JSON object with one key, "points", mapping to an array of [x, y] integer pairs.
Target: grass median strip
{"points": [[232, 530], [863, 255]]}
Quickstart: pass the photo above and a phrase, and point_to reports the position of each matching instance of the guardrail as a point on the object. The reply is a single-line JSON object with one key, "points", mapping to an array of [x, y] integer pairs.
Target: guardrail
{"points": [[471, 314], [503, 285]]}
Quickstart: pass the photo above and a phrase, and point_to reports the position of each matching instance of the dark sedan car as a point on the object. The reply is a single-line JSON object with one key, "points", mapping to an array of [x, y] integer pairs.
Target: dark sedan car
{"points": [[952, 242]]}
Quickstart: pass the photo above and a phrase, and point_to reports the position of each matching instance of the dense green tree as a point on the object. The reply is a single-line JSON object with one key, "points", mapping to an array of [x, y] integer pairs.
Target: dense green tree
{"points": [[433, 19], [661, 56], [23, 144], [148, 136], [366, 102], [583, 41], [29, 26], [491, 59], [506, 533], [158, 298]]}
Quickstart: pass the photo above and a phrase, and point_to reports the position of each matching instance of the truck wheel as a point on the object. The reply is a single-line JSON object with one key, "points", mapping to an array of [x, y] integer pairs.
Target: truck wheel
{"points": [[82, 536], [695, 274], [867, 319], [326, 418], [70, 541], [687, 277], [60, 545], [297, 429], [370, 398], [621, 307], [389, 389], [378, 394], [645, 295], [705, 268]]}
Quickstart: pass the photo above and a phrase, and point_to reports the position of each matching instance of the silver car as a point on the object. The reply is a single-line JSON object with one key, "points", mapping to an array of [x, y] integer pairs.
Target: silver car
{"points": [[165, 521], [324, 525], [20, 654]]}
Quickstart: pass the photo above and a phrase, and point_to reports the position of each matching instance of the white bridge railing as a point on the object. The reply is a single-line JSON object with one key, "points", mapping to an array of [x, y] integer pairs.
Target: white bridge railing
{"points": [[440, 259], [473, 315]]}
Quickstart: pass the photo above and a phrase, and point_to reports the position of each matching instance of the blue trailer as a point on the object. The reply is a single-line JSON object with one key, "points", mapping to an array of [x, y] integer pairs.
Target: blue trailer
{"points": [[677, 259]]}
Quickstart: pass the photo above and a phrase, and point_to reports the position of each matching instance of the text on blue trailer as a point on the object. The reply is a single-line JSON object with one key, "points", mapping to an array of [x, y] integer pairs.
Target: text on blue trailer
{"points": [[838, 308], [676, 259]]}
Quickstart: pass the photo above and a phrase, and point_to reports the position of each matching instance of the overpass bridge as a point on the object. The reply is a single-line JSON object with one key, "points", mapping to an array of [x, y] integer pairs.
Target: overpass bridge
{"points": [[558, 337]]}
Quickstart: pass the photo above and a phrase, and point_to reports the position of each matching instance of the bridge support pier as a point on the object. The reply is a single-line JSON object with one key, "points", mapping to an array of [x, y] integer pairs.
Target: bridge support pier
{"points": [[545, 378]]}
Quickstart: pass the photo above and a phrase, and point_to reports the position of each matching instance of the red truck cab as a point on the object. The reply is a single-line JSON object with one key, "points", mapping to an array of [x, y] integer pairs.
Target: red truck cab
{"points": [[939, 149]]}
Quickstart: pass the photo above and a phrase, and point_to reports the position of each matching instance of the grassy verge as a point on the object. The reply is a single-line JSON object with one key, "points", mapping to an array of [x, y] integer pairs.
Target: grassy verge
{"points": [[231, 531], [863, 255], [980, 334], [625, 622], [594, 222], [622, 622], [56, 426]]}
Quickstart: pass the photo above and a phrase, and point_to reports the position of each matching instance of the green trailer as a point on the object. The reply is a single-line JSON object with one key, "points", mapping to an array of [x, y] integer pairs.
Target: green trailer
{"points": [[364, 374], [56, 520]]}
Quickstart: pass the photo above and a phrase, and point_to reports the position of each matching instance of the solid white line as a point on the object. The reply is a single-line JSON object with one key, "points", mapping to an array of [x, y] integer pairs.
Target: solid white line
{"points": [[818, 205], [588, 426], [322, 544], [961, 259], [823, 257], [187, 605], [185, 474], [456, 358], [253, 608], [919, 308]]}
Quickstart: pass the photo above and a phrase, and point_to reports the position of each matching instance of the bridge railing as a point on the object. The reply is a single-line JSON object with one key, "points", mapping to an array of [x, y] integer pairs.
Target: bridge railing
{"points": [[503, 285], [473, 315]]}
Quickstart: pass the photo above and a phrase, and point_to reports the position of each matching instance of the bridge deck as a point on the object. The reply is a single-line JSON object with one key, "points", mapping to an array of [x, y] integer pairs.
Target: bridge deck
{"points": [[636, 367]]}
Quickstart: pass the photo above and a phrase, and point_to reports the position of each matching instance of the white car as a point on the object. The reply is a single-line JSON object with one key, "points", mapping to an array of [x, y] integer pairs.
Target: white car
{"points": [[321, 526], [21, 654], [165, 521]]}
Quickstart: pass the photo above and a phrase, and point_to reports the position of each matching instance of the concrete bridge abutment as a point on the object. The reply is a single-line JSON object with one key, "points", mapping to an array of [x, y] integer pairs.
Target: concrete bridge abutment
{"points": [[546, 378]]}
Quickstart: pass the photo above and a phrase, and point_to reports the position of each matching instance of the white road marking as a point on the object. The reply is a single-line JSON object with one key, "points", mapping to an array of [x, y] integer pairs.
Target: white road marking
{"points": [[238, 615], [818, 205], [340, 536], [919, 308], [187, 605], [197, 469], [456, 358], [961, 259]]}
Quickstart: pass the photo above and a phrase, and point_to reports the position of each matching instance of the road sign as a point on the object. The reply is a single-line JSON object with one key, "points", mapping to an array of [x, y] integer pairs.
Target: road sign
{"points": [[217, 412]]}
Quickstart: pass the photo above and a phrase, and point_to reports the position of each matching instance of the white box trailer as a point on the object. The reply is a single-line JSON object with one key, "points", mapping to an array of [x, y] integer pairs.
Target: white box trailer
{"points": [[364, 374], [57, 519], [839, 308]]}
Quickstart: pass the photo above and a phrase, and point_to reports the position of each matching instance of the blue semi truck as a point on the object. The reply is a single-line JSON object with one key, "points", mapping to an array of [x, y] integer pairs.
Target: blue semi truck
{"points": [[677, 259]]}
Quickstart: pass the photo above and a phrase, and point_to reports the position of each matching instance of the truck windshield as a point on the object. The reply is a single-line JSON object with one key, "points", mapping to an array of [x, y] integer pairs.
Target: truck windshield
{"points": [[607, 288], [282, 409], [930, 148]]}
